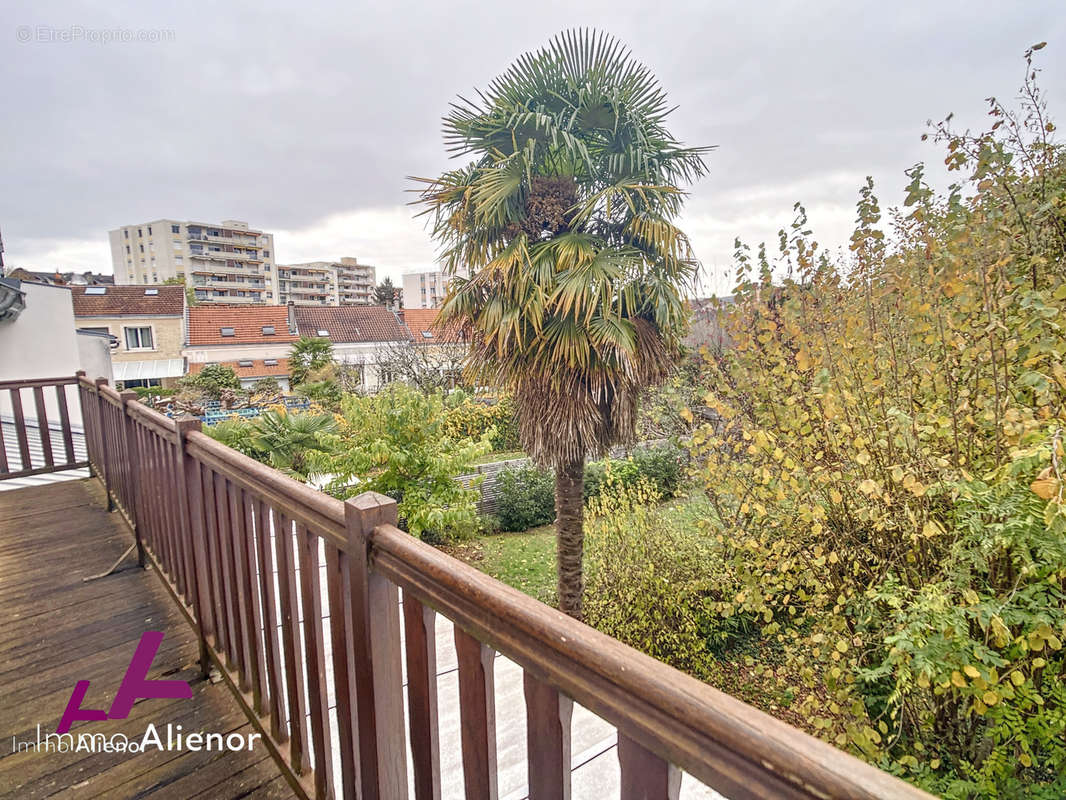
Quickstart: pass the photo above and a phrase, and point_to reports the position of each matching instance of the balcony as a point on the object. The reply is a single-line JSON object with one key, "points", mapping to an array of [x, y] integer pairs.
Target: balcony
{"points": [[374, 664]]}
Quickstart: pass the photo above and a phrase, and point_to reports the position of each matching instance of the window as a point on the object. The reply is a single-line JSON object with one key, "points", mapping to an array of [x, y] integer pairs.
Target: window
{"points": [[150, 292], [127, 248], [427, 334], [227, 332], [149, 230], [179, 260], [270, 362], [176, 244], [268, 330], [127, 234], [96, 290], [103, 331], [142, 248], [266, 254], [140, 232], [323, 332], [175, 229], [138, 338], [245, 362]]}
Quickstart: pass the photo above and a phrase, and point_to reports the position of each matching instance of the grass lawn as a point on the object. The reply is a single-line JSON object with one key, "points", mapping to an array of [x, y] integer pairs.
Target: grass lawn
{"points": [[524, 560], [489, 458]]}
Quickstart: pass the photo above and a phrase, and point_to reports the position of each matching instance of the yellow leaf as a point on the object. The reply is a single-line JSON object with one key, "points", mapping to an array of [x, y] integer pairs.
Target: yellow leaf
{"points": [[990, 698], [835, 496], [868, 487], [1025, 760], [842, 645], [897, 474], [971, 671], [957, 679], [863, 458], [686, 414]]}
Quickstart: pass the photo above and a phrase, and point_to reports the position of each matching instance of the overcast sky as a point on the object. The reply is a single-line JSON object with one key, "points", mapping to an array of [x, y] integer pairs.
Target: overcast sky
{"points": [[305, 118]]}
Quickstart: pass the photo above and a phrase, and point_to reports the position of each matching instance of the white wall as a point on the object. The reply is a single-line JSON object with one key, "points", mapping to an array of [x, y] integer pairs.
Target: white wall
{"points": [[94, 353], [41, 343]]}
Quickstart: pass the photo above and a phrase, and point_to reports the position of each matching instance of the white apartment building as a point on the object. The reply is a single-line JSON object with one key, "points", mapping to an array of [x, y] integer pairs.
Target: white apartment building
{"points": [[225, 262], [426, 289], [326, 283]]}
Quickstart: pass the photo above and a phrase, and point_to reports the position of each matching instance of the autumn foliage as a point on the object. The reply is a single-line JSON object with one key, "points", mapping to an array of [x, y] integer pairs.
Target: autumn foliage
{"points": [[886, 468]]}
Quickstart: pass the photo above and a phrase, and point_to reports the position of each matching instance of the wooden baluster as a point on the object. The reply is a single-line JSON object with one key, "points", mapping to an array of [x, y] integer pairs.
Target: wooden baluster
{"points": [[254, 626], [376, 649], [218, 613], [64, 425], [241, 585], [20, 429], [421, 650], [477, 715], [192, 505], [229, 594], [190, 513], [294, 673], [43, 432], [179, 532], [315, 648], [4, 467], [341, 630], [102, 437], [235, 517], [266, 532], [548, 715], [645, 776], [131, 497]]}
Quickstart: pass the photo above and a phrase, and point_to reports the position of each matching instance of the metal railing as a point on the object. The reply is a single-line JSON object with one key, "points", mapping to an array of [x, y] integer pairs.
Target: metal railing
{"points": [[296, 598]]}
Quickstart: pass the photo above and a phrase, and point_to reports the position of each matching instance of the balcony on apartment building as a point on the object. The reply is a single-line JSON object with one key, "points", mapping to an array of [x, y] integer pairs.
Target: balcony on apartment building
{"points": [[225, 255], [372, 664], [244, 238]]}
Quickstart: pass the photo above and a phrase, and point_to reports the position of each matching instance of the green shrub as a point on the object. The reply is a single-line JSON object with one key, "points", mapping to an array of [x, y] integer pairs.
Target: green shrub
{"points": [[662, 466], [646, 580], [212, 380], [526, 498], [470, 418]]}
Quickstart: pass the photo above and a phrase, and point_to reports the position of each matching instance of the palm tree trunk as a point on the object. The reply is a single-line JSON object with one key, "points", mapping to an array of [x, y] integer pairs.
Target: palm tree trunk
{"points": [[570, 534]]}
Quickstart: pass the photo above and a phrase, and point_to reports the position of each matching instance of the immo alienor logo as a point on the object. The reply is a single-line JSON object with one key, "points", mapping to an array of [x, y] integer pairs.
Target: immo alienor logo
{"points": [[135, 685]]}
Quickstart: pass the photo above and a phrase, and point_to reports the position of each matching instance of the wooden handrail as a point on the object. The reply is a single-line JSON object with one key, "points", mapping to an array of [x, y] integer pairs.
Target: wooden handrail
{"points": [[257, 560], [35, 449]]}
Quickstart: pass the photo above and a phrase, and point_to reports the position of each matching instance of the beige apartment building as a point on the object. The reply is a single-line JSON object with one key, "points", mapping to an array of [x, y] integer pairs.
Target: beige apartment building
{"points": [[326, 283], [226, 262]]}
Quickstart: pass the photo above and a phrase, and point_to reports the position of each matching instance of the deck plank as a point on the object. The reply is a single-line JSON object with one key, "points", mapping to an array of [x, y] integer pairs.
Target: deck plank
{"points": [[58, 630]]}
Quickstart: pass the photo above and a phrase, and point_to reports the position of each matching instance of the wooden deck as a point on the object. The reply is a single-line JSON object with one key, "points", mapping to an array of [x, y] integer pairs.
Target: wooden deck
{"points": [[57, 630]]}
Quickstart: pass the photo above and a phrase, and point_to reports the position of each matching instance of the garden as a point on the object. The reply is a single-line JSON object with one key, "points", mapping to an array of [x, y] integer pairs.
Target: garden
{"points": [[852, 514]]}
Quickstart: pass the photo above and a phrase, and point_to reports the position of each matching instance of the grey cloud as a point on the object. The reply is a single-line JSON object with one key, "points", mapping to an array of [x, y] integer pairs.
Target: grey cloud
{"points": [[283, 114]]}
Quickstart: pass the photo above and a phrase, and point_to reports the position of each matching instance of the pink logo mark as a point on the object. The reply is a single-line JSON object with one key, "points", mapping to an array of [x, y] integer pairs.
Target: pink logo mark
{"points": [[135, 685]]}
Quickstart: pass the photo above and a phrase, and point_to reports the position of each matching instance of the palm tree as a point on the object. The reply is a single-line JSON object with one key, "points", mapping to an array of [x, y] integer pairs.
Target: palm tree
{"points": [[286, 440], [309, 353], [574, 299]]}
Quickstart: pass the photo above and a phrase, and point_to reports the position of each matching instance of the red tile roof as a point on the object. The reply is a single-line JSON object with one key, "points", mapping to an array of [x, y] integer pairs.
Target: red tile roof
{"points": [[257, 370], [420, 321], [206, 323], [128, 300], [346, 324]]}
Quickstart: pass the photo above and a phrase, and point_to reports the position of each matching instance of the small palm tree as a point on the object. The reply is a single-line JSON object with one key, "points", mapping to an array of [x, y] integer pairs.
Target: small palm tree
{"points": [[577, 272], [287, 440], [309, 353]]}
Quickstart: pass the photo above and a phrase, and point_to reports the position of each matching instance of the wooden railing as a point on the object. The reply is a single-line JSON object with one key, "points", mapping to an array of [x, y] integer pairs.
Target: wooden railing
{"points": [[30, 443], [296, 599]]}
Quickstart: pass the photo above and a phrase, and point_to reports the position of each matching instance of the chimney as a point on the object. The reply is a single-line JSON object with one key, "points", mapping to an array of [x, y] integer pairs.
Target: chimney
{"points": [[292, 317]]}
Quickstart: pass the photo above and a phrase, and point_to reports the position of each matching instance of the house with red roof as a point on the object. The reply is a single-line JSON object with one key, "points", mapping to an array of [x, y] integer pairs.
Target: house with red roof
{"points": [[145, 326], [254, 341], [363, 337]]}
